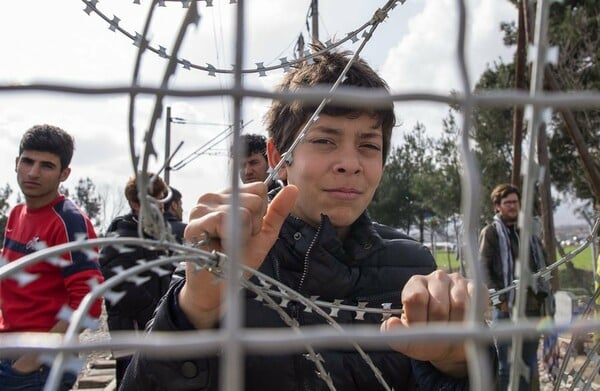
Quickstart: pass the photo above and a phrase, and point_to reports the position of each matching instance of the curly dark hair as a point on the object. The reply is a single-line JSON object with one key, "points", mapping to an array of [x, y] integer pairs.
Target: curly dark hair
{"points": [[254, 143], [49, 138]]}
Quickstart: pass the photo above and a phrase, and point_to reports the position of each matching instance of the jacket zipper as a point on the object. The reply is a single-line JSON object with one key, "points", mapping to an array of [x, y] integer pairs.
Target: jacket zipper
{"points": [[306, 260]]}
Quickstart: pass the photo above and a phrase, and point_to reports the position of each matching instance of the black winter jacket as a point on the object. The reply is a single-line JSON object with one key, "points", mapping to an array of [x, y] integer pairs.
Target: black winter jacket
{"points": [[177, 226], [362, 268], [136, 307], [491, 262]]}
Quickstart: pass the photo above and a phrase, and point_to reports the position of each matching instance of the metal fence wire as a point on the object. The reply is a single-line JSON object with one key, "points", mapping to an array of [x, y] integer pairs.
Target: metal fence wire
{"points": [[232, 340]]}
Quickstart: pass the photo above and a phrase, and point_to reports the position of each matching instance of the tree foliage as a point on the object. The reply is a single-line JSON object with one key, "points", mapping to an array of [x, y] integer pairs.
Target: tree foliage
{"points": [[420, 184], [87, 198], [5, 193], [491, 130], [575, 29]]}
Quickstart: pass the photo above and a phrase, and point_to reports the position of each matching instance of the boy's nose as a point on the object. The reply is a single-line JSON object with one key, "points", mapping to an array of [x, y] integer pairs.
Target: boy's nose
{"points": [[348, 163]]}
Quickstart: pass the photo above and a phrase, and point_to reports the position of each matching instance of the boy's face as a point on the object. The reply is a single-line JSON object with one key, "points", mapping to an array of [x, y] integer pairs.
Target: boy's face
{"points": [[337, 168], [39, 175]]}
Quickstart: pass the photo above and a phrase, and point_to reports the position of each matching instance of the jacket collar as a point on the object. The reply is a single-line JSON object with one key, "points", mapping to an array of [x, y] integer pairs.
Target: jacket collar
{"points": [[361, 241]]}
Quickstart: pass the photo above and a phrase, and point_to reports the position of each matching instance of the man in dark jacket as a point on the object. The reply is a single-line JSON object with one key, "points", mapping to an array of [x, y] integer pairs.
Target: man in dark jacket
{"points": [[135, 308], [498, 250], [254, 167], [173, 214], [316, 238]]}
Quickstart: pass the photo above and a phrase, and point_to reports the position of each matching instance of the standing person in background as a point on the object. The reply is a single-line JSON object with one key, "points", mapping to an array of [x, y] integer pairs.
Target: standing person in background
{"points": [[135, 308], [498, 252], [254, 167], [173, 214], [49, 218]]}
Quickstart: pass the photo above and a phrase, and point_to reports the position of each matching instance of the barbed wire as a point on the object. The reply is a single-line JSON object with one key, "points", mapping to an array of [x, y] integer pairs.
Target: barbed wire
{"points": [[217, 263], [261, 69]]}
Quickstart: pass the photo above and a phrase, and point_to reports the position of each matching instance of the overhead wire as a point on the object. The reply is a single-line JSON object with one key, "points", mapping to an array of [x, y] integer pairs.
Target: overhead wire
{"points": [[220, 137]]}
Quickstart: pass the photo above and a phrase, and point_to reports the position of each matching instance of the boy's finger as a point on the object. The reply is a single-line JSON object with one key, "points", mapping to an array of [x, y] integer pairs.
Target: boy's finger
{"points": [[279, 209]]}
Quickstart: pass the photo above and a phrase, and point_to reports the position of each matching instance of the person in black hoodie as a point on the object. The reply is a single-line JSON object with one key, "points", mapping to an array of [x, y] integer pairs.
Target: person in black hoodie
{"points": [[316, 237], [136, 307], [173, 214]]}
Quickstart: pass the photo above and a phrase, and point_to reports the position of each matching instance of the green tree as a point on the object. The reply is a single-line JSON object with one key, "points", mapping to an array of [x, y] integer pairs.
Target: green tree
{"points": [[420, 183], [87, 198], [391, 203], [575, 29], [573, 134], [448, 200], [5, 193], [492, 131]]}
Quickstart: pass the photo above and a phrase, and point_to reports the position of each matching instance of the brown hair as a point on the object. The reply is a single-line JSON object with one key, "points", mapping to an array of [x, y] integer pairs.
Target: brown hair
{"points": [[284, 119], [503, 191], [159, 188]]}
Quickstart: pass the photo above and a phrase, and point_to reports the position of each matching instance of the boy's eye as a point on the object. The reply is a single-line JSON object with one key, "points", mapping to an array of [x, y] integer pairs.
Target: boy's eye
{"points": [[321, 141], [375, 147]]}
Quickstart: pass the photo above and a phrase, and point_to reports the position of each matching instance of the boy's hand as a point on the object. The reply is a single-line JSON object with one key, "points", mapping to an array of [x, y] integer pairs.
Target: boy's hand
{"points": [[437, 297], [259, 225]]}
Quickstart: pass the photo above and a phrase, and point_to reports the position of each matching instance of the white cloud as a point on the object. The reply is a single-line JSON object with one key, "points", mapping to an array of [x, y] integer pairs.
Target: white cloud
{"points": [[425, 59]]}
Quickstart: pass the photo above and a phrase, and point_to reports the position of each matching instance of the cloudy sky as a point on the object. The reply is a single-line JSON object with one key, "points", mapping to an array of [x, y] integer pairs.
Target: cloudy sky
{"points": [[57, 42]]}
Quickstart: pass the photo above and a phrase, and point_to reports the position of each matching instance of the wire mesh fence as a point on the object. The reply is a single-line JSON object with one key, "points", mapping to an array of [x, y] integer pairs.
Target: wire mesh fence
{"points": [[232, 341]]}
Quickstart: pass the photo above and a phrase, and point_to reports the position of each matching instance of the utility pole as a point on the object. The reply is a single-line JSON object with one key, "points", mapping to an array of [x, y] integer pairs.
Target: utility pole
{"points": [[300, 46], [168, 145], [315, 20]]}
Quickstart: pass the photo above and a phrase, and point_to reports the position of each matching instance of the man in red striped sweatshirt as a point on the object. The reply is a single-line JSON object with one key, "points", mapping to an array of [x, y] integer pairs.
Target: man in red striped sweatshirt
{"points": [[46, 219]]}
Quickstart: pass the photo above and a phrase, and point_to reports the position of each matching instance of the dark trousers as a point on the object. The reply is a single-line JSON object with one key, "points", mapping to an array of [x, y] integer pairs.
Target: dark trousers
{"points": [[118, 322], [10, 380], [529, 355], [121, 367]]}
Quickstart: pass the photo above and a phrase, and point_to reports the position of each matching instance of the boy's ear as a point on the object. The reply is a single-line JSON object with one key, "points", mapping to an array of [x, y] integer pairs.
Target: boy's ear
{"points": [[274, 157], [65, 174]]}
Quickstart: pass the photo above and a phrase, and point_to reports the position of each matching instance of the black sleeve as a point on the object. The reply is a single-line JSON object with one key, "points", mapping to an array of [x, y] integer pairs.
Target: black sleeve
{"points": [[136, 298], [164, 373], [430, 378], [489, 258]]}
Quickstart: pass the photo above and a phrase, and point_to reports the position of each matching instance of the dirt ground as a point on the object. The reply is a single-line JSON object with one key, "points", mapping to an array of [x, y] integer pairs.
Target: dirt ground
{"points": [[574, 365], [96, 356]]}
